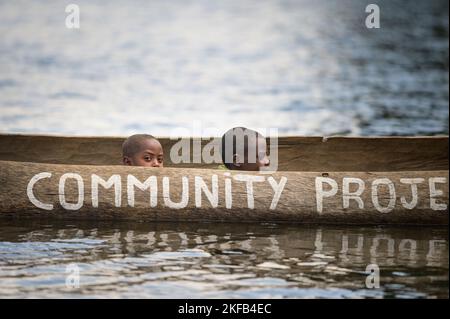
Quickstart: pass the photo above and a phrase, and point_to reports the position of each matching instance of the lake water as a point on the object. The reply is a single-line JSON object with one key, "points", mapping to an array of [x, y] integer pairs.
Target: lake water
{"points": [[207, 260], [304, 67]]}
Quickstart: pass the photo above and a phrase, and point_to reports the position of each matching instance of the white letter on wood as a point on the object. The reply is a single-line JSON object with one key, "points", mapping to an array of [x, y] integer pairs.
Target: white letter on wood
{"points": [[62, 196], [392, 198], [114, 180], [30, 193], [320, 193], [228, 193], [184, 193], [150, 182], [249, 180], [278, 189], [436, 192], [356, 195], [414, 199], [200, 186]]}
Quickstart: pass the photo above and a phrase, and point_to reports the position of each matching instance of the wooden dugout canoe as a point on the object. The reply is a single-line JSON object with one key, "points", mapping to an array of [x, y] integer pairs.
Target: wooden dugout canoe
{"points": [[389, 180]]}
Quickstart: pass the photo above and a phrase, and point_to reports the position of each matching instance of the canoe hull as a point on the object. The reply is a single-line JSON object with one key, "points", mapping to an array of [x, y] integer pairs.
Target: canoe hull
{"points": [[33, 190], [306, 154]]}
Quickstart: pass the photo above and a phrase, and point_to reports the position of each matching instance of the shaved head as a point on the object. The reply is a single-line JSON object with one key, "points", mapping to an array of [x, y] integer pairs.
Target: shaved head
{"points": [[244, 149], [135, 143]]}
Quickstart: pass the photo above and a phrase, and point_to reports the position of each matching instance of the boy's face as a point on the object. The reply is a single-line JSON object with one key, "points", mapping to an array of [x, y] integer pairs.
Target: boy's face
{"points": [[150, 155], [253, 164]]}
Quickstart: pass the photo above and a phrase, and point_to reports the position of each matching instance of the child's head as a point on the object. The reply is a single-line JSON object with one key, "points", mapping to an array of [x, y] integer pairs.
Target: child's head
{"points": [[244, 149], [142, 150]]}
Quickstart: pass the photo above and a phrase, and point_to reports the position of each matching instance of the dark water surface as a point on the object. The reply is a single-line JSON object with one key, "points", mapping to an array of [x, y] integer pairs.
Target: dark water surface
{"points": [[304, 67], [206, 260]]}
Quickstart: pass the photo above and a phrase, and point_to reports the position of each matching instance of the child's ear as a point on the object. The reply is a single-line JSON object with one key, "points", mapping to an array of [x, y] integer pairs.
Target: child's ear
{"points": [[126, 161], [237, 160]]}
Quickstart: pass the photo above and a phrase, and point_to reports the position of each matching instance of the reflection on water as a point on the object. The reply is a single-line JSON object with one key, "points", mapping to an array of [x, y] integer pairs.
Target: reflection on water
{"points": [[205, 260], [305, 67]]}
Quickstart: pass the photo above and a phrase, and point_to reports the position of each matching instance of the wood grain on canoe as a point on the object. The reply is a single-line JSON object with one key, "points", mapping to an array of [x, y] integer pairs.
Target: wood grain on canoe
{"points": [[336, 154], [385, 197]]}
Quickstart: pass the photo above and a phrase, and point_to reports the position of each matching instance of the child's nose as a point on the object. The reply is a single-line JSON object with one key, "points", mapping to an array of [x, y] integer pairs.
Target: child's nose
{"points": [[156, 163]]}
